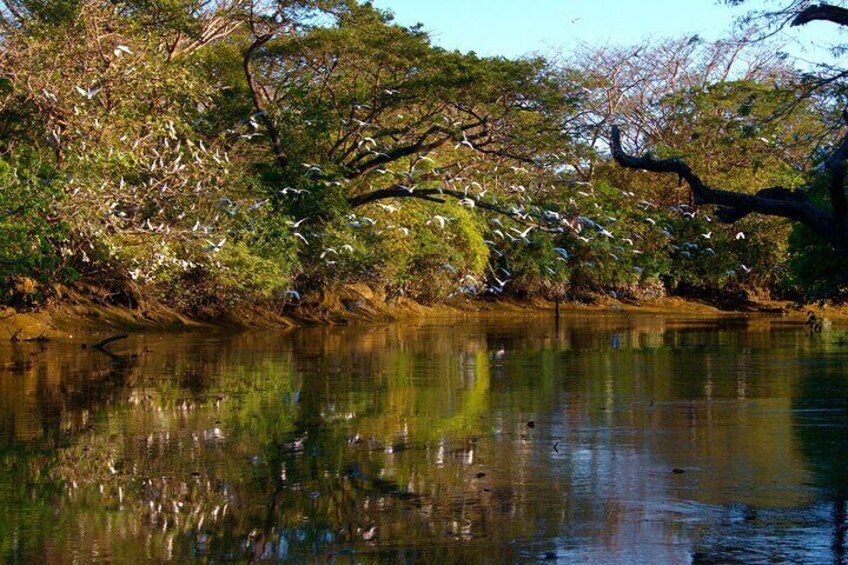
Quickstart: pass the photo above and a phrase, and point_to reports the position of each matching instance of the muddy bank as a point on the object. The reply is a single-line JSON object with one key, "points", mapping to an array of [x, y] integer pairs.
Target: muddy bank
{"points": [[76, 314]]}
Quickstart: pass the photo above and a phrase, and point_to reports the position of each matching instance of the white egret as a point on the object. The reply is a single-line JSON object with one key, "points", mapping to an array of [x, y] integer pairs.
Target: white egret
{"points": [[88, 93], [214, 247]]}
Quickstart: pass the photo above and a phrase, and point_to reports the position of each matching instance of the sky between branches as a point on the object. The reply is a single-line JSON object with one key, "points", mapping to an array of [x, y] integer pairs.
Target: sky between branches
{"points": [[517, 27]]}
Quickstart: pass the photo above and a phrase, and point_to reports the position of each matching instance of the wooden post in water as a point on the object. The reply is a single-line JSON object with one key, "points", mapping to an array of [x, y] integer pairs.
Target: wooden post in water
{"points": [[556, 313]]}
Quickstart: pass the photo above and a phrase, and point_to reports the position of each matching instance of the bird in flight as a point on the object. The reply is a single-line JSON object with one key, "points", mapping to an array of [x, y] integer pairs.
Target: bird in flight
{"points": [[88, 93], [214, 247]]}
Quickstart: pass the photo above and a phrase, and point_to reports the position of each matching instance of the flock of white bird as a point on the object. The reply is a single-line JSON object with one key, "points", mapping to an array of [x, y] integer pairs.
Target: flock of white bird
{"points": [[529, 218], [527, 215]]}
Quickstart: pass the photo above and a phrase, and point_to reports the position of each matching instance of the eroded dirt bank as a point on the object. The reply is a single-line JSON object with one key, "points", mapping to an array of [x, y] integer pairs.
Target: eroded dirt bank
{"points": [[75, 314]]}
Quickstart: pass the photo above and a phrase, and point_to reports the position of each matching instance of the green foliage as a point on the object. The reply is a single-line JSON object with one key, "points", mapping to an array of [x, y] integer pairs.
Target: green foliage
{"points": [[139, 149], [533, 269], [256, 264], [404, 251], [815, 270], [732, 134], [428, 264], [32, 235], [241, 272]]}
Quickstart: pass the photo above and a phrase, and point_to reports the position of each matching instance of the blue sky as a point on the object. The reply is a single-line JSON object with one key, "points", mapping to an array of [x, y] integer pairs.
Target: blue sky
{"points": [[517, 27]]}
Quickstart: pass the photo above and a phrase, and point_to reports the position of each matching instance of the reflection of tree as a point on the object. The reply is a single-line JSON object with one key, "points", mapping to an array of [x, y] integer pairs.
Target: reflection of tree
{"points": [[392, 441], [823, 439]]}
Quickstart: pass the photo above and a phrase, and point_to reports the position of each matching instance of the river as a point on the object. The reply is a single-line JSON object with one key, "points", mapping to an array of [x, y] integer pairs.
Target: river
{"points": [[609, 438]]}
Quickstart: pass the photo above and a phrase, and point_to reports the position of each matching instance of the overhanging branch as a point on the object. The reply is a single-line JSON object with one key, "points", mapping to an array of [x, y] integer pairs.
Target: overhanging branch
{"points": [[823, 13], [775, 201], [394, 192]]}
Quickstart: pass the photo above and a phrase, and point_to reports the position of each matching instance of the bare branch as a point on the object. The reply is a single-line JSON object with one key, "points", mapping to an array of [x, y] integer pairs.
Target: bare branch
{"points": [[216, 24], [104, 342]]}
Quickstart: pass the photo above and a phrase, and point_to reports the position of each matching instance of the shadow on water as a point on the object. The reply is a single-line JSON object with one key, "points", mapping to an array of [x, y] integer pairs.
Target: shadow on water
{"points": [[607, 437], [821, 428]]}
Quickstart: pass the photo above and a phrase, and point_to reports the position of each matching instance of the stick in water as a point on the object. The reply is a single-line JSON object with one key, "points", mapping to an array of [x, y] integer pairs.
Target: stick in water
{"points": [[104, 342]]}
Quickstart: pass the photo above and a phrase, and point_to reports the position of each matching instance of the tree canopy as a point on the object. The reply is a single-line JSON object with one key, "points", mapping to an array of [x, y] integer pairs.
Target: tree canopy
{"points": [[831, 222], [205, 153]]}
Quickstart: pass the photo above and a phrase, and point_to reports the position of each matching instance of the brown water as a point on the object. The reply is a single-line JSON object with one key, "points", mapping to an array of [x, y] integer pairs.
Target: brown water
{"points": [[613, 439]]}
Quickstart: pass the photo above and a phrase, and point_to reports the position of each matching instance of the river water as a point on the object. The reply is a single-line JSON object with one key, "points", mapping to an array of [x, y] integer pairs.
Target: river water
{"points": [[612, 438]]}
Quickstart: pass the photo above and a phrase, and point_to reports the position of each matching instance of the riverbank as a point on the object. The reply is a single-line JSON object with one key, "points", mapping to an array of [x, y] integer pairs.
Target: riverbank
{"points": [[73, 314]]}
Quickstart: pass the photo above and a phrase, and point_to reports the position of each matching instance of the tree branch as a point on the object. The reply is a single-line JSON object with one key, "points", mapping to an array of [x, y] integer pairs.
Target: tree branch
{"points": [[433, 195], [218, 24], [395, 154], [104, 342], [835, 164], [420, 145], [394, 192], [273, 133], [776, 201], [822, 12]]}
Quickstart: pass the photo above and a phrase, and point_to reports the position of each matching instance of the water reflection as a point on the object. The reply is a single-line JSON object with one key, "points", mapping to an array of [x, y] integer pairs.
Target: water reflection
{"points": [[611, 438]]}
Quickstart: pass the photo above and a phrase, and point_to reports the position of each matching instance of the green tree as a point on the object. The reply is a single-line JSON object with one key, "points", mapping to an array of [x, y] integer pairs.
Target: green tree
{"points": [[828, 222]]}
